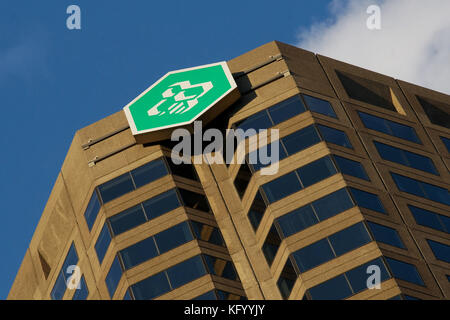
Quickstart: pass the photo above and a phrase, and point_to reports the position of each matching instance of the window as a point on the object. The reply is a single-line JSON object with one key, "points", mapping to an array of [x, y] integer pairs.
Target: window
{"points": [[113, 277], [437, 112], [405, 158], [446, 142], [351, 168], [287, 279], [127, 296], [300, 140], [319, 106], [183, 170], [207, 233], [60, 286], [149, 172], [210, 295], [220, 267], [243, 178], [127, 220], [271, 245], [349, 239], [430, 219], [421, 189], [404, 271], [282, 187], [102, 244], [256, 121], [131, 180], [173, 237], [151, 287], [367, 200], [256, 212], [313, 255], [389, 127], [194, 200], [219, 295], [186, 271], [92, 210], [357, 277], [254, 160], [316, 171], [286, 109], [161, 204], [82, 293], [334, 136], [332, 204], [297, 220], [441, 251], [334, 289], [385, 235], [138, 253]]}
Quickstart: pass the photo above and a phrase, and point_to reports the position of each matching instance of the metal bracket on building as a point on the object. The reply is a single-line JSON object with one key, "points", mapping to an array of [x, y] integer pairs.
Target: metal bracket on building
{"points": [[96, 159], [277, 76], [271, 59], [91, 142]]}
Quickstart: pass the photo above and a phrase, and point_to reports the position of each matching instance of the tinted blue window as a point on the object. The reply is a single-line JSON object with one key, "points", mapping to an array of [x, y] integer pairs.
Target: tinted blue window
{"points": [[210, 295], [151, 287], [399, 297], [257, 121], [319, 106], [349, 239], [358, 276], [282, 187], [448, 277], [446, 142], [127, 296], [59, 288], [186, 271], [113, 277], [367, 200], [127, 220], [256, 211], [404, 271], [332, 204], [71, 260], [92, 210], [286, 109], [116, 187], [333, 289], [102, 244], [161, 204], [405, 158], [389, 127], [441, 251], [350, 167], [410, 297], [385, 235], [335, 136], [173, 237], [266, 151], [297, 220], [313, 255], [149, 172], [220, 267], [316, 171], [138, 253], [428, 219], [207, 233], [82, 293], [301, 140], [421, 189]]}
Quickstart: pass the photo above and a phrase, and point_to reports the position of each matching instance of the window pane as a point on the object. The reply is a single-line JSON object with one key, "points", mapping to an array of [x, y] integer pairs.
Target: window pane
{"points": [[301, 140], [286, 109], [350, 167], [256, 211], [127, 220], [316, 171], [287, 279], [408, 185], [446, 142], [71, 260], [319, 106], [282, 187], [59, 288], [161, 204], [116, 187], [427, 218], [184, 170], [83, 292], [127, 296], [374, 123], [210, 295], [149, 172], [297, 220], [332, 204], [186, 271], [390, 153], [113, 277], [271, 245], [207, 233], [367, 200], [333, 289], [313, 255], [436, 193], [420, 162], [92, 210], [404, 132], [440, 250], [358, 277], [102, 244], [335, 136], [255, 159], [173, 237], [220, 267], [194, 200], [138, 253], [385, 235], [349, 239], [151, 287], [257, 121], [404, 271]]}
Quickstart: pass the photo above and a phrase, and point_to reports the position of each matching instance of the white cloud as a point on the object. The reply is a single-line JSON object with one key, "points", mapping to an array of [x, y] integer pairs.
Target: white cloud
{"points": [[412, 45]]}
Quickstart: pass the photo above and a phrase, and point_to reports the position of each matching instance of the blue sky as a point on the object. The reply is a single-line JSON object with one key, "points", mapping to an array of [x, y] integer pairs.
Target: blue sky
{"points": [[54, 81]]}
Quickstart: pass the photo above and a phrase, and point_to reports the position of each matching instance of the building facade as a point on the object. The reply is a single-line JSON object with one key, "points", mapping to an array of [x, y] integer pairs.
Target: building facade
{"points": [[362, 188]]}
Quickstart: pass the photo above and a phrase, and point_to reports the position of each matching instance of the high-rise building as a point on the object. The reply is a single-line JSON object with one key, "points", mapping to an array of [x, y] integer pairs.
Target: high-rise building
{"points": [[361, 193]]}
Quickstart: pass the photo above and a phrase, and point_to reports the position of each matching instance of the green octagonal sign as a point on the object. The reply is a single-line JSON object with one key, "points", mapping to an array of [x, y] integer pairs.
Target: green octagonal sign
{"points": [[179, 98]]}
